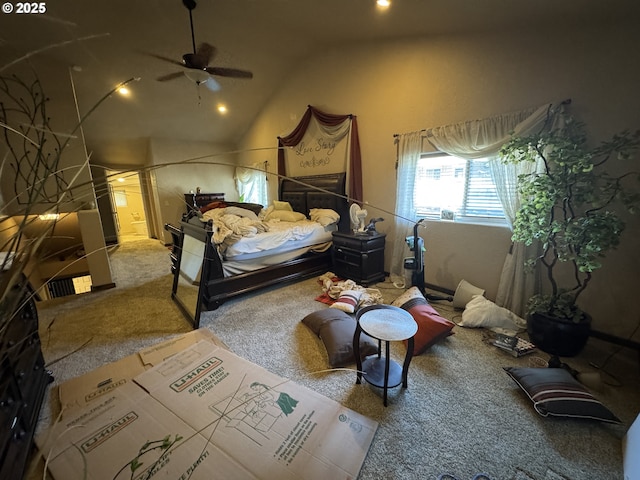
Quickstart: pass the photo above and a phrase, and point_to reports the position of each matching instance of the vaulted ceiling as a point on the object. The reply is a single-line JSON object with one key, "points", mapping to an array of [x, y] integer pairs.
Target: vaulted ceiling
{"points": [[106, 42]]}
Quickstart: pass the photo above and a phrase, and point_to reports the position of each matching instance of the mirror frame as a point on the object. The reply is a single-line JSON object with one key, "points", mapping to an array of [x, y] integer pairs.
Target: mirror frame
{"points": [[193, 318]]}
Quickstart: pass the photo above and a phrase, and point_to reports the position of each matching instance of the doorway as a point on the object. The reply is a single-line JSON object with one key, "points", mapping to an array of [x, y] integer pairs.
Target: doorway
{"points": [[125, 192]]}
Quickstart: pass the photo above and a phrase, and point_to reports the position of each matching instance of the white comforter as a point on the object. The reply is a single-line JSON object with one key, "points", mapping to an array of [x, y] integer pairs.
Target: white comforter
{"points": [[277, 235], [236, 235]]}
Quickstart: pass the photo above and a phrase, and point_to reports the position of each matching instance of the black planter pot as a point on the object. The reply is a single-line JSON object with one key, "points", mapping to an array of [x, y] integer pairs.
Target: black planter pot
{"points": [[558, 336]]}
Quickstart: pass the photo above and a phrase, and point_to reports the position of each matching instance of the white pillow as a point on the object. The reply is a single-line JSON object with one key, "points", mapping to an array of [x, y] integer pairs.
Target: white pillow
{"points": [[324, 216], [481, 312], [278, 205], [266, 211], [285, 216], [241, 212]]}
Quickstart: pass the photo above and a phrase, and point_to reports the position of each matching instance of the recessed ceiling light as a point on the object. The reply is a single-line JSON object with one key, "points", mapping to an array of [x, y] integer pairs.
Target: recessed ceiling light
{"points": [[383, 3], [124, 91], [222, 108]]}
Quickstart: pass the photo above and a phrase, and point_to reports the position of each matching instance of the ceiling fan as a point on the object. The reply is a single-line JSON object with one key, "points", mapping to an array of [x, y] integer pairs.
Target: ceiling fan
{"points": [[197, 63]]}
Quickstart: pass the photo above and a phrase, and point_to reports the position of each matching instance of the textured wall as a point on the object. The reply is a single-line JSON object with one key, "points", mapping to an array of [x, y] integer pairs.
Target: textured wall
{"points": [[420, 83]]}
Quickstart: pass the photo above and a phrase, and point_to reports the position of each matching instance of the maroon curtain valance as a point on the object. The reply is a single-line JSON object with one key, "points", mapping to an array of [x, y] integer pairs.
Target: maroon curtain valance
{"points": [[354, 175]]}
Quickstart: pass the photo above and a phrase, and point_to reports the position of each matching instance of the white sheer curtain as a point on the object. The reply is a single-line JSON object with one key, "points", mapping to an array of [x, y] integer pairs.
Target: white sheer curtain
{"points": [[483, 139], [516, 285], [251, 183], [409, 150]]}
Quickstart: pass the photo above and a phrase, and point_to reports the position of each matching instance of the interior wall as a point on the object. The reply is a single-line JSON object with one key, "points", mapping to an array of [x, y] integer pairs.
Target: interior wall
{"points": [[413, 84], [184, 166]]}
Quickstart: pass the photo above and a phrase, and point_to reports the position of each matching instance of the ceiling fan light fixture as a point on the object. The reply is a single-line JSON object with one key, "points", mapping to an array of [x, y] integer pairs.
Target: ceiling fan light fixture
{"points": [[199, 70], [197, 76]]}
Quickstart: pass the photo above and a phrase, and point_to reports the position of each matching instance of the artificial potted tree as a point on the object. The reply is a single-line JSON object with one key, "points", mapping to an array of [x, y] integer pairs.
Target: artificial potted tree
{"points": [[571, 206]]}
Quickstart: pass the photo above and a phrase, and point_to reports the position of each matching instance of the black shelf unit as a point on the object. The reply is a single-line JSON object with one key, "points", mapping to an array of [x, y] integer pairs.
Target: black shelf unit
{"points": [[23, 380]]}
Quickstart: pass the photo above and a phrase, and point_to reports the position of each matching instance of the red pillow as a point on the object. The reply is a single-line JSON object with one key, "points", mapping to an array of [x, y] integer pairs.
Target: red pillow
{"points": [[212, 205], [431, 326]]}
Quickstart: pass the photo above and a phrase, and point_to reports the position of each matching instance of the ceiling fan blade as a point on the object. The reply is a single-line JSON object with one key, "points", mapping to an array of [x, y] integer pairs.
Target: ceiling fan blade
{"points": [[166, 59], [170, 76], [229, 72], [206, 52]]}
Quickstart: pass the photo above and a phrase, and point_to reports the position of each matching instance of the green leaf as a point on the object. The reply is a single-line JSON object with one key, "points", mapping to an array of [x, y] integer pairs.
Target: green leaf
{"points": [[570, 205], [136, 464]]}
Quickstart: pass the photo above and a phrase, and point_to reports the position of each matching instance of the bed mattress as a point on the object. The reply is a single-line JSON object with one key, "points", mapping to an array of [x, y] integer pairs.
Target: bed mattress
{"points": [[283, 242], [281, 237]]}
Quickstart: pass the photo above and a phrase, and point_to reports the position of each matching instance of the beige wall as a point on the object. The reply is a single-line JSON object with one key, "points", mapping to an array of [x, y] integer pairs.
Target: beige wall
{"points": [[174, 180], [409, 85]]}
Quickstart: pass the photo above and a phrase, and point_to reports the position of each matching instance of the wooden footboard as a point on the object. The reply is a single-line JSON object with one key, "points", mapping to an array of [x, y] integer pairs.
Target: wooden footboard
{"points": [[218, 290], [214, 288], [303, 193]]}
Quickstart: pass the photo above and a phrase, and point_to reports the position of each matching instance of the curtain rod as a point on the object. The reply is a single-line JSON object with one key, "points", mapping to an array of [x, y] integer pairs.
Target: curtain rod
{"points": [[566, 101], [396, 135]]}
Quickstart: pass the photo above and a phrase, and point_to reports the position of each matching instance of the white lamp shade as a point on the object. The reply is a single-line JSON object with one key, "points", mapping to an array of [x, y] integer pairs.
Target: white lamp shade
{"points": [[464, 293], [197, 76]]}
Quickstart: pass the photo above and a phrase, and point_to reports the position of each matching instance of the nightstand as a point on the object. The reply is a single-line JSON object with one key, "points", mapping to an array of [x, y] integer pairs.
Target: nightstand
{"points": [[359, 257]]}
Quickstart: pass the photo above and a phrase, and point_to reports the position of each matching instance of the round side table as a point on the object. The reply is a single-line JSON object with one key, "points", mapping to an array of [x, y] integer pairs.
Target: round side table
{"points": [[384, 323]]}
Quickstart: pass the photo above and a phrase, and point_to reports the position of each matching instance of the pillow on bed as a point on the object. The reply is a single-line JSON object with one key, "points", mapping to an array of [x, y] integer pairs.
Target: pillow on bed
{"points": [[554, 392], [431, 326], [254, 207], [324, 216], [241, 212], [265, 212], [278, 205], [336, 330], [285, 216], [212, 205]]}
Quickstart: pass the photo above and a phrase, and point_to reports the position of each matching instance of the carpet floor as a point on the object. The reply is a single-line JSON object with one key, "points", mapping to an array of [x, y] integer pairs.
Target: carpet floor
{"points": [[460, 414]]}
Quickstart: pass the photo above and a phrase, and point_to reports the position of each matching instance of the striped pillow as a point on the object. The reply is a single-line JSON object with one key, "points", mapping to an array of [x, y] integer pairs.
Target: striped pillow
{"points": [[348, 301], [554, 392]]}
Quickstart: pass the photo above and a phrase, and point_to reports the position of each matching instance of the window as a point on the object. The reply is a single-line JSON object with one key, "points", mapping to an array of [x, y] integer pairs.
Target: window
{"points": [[252, 185], [120, 197], [448, 187]]}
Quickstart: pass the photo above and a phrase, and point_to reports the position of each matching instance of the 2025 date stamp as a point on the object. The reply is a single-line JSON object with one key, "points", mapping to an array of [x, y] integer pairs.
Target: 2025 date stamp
{"points": [[21, 8]]}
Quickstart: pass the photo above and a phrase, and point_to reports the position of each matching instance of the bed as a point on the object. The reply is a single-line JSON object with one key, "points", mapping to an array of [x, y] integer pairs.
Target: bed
{"points": [[207, 273]]}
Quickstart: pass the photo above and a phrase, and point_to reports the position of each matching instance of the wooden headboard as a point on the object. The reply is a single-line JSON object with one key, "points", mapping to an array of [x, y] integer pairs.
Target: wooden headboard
{"points": [[318, 191], [195, 201]]}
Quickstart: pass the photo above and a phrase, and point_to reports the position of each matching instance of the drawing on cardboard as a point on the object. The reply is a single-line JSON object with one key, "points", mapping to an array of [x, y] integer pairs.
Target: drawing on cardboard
{"points": [[254, 410], [161, 447]]}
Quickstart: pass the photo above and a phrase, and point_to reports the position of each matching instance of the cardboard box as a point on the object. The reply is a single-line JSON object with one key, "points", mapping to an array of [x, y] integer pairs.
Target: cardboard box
{"points": [[266, 423], [80, 391], [222, 417], [123, 436]]}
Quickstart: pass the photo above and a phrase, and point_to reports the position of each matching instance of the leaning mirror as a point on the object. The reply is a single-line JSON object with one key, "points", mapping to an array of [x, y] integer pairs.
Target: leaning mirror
{"points": [[186, 288]]}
